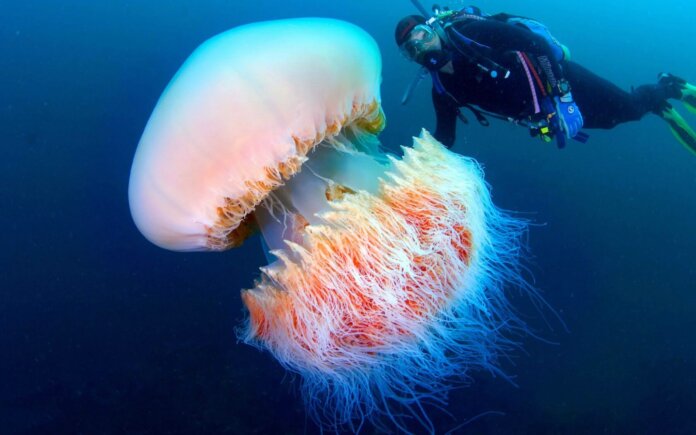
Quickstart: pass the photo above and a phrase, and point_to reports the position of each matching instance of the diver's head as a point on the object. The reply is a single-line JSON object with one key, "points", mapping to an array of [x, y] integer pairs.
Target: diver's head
{"points": [[420, 43], [404, 27]]}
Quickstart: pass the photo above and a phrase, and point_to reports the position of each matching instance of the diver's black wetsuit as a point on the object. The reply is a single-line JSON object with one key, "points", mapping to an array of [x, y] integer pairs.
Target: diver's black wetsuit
{"points": [[603, 104]]}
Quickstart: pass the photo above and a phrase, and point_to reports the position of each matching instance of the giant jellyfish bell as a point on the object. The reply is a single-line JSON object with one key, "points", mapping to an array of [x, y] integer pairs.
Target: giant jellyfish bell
{"points": [[387, 273]]}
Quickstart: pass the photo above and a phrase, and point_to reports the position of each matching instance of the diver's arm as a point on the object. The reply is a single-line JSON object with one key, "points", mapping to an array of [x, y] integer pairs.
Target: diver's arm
{"points": [[446, 116], [503, 37]]}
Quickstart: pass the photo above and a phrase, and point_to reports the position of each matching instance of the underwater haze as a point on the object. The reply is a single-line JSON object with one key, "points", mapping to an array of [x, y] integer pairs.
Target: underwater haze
{"points": [[103, 332]]}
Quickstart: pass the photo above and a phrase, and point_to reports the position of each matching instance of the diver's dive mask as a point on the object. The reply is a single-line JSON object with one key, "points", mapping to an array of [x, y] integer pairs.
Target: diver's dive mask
{"points": [[421, 48], [419, 39]]}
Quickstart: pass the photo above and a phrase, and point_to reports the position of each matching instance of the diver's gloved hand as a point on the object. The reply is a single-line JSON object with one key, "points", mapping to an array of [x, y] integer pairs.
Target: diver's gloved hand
{"points": [[569, 116]]}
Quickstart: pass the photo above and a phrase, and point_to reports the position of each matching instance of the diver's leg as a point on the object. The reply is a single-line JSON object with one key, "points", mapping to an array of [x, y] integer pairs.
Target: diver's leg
{"points": [[605, 105]]}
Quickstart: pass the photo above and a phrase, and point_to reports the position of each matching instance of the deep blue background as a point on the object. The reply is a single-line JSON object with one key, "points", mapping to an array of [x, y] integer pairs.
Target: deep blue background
{"points": [[101, 331]]}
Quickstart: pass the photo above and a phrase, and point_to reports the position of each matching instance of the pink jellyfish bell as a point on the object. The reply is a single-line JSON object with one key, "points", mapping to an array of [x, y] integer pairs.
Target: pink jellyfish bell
{"points": [[388, 273]]}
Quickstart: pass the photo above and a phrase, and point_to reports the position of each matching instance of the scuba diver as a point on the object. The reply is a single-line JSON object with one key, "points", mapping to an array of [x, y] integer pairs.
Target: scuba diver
{"points": [[510, 67]]}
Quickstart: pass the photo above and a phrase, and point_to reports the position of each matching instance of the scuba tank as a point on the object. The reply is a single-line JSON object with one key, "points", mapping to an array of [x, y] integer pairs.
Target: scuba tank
{"points": [[560, 51]]}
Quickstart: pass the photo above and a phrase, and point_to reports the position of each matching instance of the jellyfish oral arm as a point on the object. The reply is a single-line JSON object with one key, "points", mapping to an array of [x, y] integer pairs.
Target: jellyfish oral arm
{"points": [[334, 168]]}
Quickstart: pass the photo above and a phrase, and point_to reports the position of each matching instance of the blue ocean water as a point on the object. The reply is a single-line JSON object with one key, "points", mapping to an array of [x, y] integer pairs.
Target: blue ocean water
{"points": [[102, 332]]}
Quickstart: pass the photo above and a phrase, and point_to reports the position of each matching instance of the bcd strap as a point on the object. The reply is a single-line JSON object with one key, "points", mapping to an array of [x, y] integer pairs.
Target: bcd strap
{"points": [[479, 116], [440, 89]]}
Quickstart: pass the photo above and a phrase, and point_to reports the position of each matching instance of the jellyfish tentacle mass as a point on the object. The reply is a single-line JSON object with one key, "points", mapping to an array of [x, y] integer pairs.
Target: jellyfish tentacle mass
{"points": [[386, 276]]}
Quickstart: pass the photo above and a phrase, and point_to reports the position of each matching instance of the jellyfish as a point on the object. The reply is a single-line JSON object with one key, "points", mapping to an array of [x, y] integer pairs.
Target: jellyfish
{"points": [[386, 275]]}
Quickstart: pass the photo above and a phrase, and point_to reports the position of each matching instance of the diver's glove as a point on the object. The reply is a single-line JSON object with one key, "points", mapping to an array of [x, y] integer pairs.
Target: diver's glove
{"points": [[569, 116]]}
